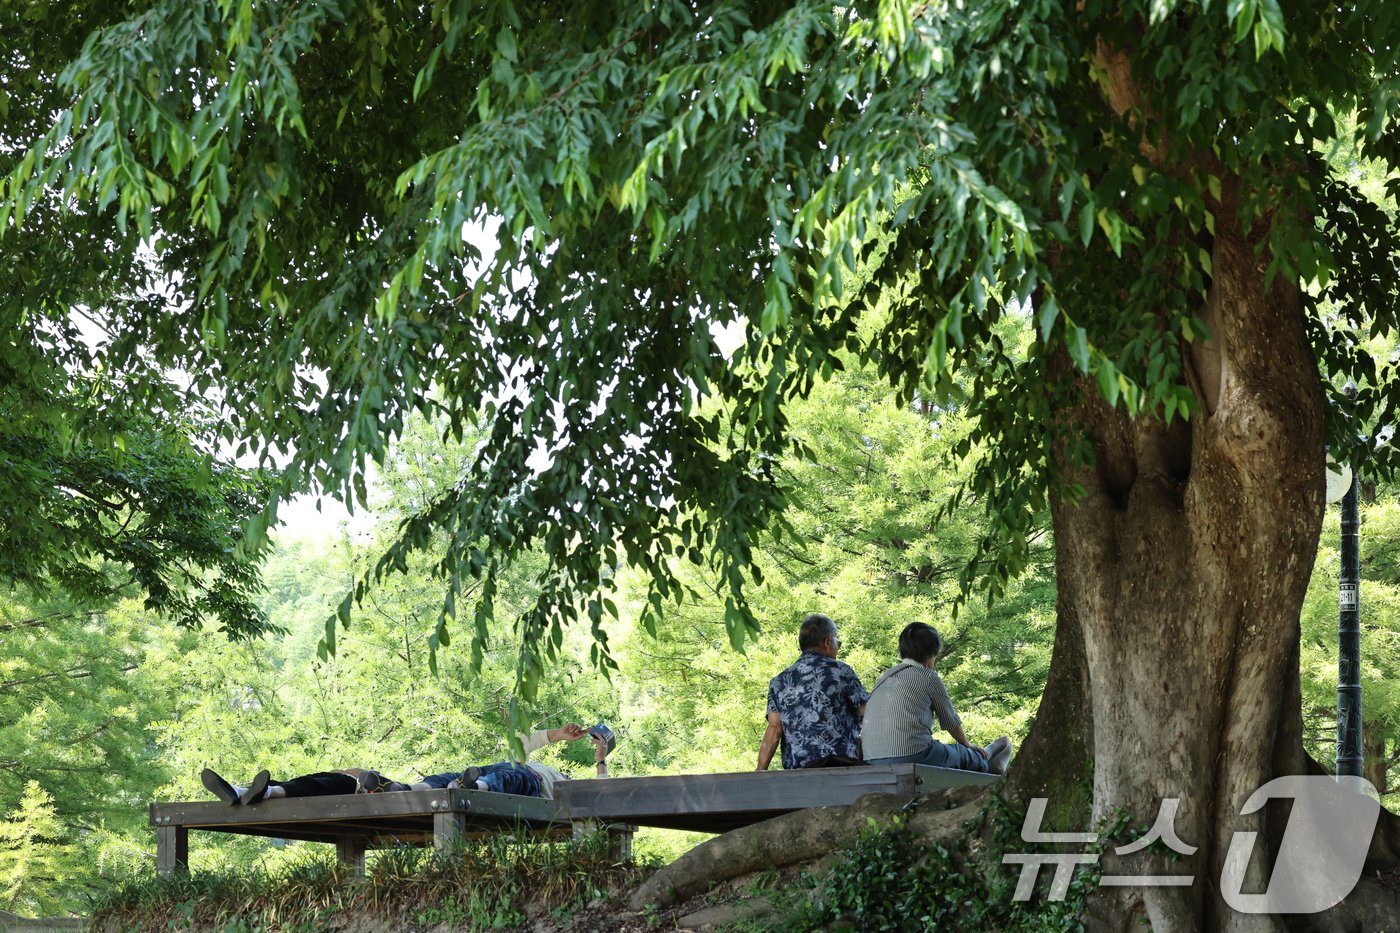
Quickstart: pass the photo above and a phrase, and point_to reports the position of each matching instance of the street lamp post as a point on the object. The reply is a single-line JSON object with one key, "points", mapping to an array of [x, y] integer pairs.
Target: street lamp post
{"points": [[1342, 485], [1349, 756]]}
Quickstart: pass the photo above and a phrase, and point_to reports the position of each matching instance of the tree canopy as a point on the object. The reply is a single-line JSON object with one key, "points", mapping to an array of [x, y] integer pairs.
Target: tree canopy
{"points": [[278, 201], [144, 510]]}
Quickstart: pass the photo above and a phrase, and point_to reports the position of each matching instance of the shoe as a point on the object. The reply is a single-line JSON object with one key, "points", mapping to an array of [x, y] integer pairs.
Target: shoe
{"points": [[255, 791], [396, 786], [370, 782], [469, 778], [995, 748], [219, 787], [1002, 758]]}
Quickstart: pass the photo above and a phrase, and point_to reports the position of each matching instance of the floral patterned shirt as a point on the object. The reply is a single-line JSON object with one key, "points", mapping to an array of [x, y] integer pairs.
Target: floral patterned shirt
{"points": [[819, 700]]}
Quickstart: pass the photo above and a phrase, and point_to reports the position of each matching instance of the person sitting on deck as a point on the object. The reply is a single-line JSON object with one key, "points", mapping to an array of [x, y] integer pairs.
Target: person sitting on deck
{"points": [[903, 703], [528, 778], [815, 705]]}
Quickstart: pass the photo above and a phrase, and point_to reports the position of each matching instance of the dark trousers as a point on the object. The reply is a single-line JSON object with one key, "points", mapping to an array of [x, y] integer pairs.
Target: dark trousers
{"points": [[320, 784], [507, 778]]}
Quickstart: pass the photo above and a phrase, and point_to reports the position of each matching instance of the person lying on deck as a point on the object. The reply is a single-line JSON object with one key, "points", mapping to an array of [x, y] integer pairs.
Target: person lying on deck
{"points": [[262, 787], [529, 779], [815, 705], [899, 717]]}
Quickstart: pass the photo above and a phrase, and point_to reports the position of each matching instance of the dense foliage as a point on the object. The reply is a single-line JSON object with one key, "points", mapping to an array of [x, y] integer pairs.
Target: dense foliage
{"points": [[144, 513], [293, 181], [891, 880]]}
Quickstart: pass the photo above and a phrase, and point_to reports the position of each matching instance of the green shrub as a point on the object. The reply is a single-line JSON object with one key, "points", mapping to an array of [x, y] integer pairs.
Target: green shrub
{"points": [[891, 879], [482, 884]]}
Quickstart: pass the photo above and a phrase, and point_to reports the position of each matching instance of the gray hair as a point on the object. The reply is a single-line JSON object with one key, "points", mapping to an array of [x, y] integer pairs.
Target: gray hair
{"points": [[816, 628]]}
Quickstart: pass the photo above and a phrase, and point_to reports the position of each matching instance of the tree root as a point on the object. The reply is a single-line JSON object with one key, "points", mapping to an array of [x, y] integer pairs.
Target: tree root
{"points": [[1384, 854], [802, 836], [1374, 904]]}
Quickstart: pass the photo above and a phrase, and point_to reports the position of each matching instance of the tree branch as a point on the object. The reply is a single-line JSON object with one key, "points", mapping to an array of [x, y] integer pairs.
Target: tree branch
{"points": [[73, 674], [45, 619]]}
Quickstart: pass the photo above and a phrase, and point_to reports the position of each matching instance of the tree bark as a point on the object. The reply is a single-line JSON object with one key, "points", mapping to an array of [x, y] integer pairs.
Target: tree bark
{"points": [[1181, 572], [1184, 566], [1373, 750]]}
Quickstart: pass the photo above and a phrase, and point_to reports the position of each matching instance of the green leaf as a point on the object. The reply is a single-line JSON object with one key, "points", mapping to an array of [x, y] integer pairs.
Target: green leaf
{"points": [[1107, 376], [1066, 198], [1078, 347], [1049, 313], [505, 46]]}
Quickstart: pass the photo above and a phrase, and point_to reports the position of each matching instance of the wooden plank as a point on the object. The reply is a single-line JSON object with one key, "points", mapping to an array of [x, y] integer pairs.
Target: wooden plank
{"points": [[418, 834], [779, 791], [721, 802], [934, 779], [299, 809], [325, 832], [172, 850], [482, 804], [398, 826]]}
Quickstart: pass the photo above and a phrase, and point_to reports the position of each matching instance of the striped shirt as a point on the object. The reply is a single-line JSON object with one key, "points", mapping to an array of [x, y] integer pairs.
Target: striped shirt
{"points": [[899, 716]]}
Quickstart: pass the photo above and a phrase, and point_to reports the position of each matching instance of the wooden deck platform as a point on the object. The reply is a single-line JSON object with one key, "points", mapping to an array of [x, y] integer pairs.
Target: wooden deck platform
{"points": [[355, 822], [713, 803], [717, 803]]}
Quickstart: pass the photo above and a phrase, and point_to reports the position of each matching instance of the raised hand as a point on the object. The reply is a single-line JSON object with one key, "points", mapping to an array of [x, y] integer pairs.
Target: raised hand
{"points": [[568, 732]]}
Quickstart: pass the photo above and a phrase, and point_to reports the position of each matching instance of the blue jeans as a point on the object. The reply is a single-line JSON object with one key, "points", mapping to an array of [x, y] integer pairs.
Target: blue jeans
{"points": [[502, 777], [940, 756]]}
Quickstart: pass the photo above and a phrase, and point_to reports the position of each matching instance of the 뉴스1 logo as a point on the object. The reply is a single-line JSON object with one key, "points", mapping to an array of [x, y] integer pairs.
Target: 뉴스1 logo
{"points": [[1323, 849], [1319, 860]]}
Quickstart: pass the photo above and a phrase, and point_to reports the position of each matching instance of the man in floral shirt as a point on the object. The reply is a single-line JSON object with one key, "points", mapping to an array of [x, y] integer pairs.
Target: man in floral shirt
{"points": [[815, 706]]}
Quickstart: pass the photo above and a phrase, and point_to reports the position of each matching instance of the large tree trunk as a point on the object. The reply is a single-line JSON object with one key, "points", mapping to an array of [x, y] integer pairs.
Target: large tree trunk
{"points": [[1182, 571]]}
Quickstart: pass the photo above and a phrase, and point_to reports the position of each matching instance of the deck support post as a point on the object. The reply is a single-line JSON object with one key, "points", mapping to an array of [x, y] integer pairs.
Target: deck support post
{"points": [[448, 828], [619, 836], [172, 850], [350, 852]]}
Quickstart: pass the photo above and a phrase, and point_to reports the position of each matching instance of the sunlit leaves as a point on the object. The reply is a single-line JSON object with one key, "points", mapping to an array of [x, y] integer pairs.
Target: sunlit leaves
{"points": [[539, 220]]}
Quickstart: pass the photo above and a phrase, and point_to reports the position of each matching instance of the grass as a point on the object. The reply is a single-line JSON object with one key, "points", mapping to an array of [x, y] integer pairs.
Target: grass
{"points": [[488, 884]]}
